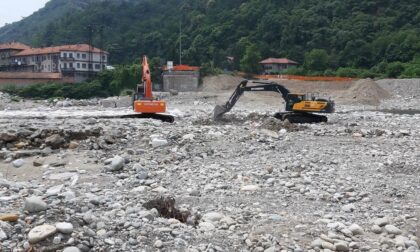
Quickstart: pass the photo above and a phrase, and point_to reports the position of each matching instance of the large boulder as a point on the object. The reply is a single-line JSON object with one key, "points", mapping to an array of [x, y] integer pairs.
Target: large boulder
{"points": [[35, 204], [40, 233], [8, 137], [55, 141]]}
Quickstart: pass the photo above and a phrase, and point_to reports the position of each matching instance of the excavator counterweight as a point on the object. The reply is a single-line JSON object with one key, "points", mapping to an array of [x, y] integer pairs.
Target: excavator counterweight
{"points": [[299, 108]]}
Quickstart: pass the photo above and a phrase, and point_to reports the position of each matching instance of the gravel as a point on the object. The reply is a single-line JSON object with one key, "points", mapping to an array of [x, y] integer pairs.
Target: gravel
{"points": [[248, 183]]}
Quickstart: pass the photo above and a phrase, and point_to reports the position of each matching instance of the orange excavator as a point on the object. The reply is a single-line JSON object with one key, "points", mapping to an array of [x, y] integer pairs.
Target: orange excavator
{"points": [[144, 103]]}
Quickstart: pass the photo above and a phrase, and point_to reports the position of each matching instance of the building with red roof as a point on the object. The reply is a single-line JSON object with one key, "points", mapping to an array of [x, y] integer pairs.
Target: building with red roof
{"points": [[79, 60], [277, 65]]}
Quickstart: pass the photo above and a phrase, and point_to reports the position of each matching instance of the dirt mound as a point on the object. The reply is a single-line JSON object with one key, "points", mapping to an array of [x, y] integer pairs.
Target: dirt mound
{"points": [[222, 82], [366, 92]]}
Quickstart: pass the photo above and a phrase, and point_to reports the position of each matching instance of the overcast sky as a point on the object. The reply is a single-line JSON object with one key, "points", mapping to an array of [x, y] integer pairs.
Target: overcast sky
{"points": [[15, 10]]}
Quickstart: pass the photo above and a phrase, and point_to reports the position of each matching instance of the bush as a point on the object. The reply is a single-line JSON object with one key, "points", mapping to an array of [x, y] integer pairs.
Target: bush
{"points": [[348, 72], [295, 71], [329, 72], [208, 68], [411, 69], [394, 69], [127, 92], [55, 90]]}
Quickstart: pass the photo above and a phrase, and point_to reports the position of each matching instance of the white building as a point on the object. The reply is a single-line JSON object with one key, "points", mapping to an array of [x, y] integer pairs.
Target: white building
{"points": [[67, 59]]}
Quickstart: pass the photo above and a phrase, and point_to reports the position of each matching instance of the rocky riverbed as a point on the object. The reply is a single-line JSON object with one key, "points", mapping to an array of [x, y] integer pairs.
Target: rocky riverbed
{"points": [[72, 178]]}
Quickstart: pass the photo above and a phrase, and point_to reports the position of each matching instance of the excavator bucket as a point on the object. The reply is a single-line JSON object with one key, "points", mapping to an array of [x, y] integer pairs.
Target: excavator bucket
{"points": [[218, 112]]}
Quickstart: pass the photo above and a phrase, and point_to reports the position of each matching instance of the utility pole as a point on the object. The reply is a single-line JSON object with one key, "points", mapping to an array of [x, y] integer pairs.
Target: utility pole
{"points": [[101, 46], [180, 41], [90, 56]]}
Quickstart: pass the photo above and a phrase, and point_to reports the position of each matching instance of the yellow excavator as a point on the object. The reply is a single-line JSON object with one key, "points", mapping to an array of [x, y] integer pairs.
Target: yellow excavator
{"points": [[299, 107]]}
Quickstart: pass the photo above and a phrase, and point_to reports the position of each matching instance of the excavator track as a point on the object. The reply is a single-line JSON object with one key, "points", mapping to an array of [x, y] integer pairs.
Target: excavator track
{"points": [[161, 117], [294, 117]]}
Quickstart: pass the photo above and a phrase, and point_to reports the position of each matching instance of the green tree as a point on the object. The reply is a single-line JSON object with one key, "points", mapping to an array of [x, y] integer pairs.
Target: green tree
{"points": [[250, 60], [394, 69], [317, 60]]}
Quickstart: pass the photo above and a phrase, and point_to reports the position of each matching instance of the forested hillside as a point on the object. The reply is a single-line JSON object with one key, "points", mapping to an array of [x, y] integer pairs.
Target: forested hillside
{"points": [[321, 34]]}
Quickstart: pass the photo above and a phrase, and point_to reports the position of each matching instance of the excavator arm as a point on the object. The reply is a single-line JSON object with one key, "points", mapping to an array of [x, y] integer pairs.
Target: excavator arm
{"points": [[219, 111]]}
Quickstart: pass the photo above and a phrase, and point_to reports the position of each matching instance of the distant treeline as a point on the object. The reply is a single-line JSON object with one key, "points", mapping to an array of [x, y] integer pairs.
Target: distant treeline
{"points": [[346, 37]]}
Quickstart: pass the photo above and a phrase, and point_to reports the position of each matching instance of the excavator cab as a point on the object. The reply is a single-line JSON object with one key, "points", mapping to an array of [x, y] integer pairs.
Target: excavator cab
{"points": [[292, 99]]}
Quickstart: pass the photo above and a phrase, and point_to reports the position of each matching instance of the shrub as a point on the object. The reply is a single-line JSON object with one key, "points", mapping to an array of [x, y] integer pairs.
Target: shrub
{"points": [[348, 72]]}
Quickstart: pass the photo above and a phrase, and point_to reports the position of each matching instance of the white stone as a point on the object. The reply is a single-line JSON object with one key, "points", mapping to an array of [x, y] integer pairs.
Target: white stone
{"points": [[35, 204], [57, 240], [158, 244], [117, 164], [156, 142], [317, 243], [139, 189], [348, 208], [3, 235], [55, 190], [341, 246], [18, 163], [71, 249], [327, 245], [250, 188], [213, 217], [356, 229], [391, 229], [376, 229], [206, 226], [64, 227], [160, 189], [381, 221], [40, 233], [188, 137], [269, 133]]}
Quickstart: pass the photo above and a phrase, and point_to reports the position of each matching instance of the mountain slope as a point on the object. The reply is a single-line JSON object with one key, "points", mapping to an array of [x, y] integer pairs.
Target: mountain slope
{"points": [[356, 33], [27, 29]]}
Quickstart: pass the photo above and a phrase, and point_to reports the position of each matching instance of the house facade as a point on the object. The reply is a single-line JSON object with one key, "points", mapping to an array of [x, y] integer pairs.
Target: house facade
{"points": [[8, 50], [78, 61], [277, 65]]}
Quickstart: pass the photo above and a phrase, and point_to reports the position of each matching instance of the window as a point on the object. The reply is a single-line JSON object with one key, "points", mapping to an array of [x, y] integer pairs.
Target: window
{"points": [[78, 55], [49, 57], [71, 65], [97, 66], [65, 65], [103, 57], [83, 56], [78, 65], [84, 66], [49, 67], [70, 55], [44, 58], [90, 66], [64, 55]]}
